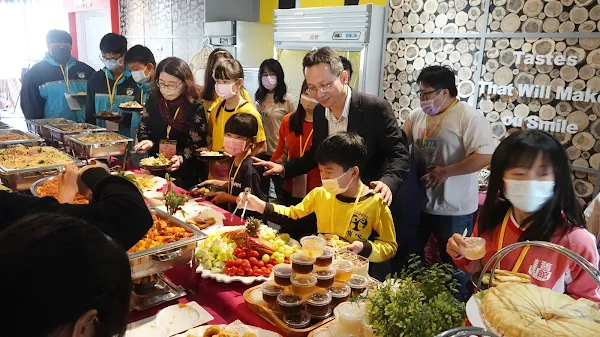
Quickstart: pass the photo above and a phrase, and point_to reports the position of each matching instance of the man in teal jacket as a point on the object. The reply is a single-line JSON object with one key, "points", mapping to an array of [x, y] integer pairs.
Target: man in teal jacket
{"points": [[50, 83]]}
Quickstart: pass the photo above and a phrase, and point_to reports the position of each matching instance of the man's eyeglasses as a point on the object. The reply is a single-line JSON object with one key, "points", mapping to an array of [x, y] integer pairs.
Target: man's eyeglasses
{"points": [[168, 86], [423, 94], [323, 89], [109, 58]]}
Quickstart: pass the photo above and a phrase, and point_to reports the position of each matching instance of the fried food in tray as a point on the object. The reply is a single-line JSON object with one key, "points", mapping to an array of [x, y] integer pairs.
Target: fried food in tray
{"points": [[13, 136], [49, 188], [22, 157], [99, 137], [131, 105], [161, 233], [201, 223], [504, 276], [77, 127], [334, 241]]}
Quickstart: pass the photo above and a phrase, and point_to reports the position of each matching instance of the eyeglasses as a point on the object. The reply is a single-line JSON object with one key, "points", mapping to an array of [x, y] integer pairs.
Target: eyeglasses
{"points": [[103, 58], [323, 89], [423, 95], [169, 86]]}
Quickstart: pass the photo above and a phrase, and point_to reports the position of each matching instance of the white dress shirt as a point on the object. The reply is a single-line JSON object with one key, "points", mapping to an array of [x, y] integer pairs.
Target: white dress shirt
{"points": [[339, 125]]}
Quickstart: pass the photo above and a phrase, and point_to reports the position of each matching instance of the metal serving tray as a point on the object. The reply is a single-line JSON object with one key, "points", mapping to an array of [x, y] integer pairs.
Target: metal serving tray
{"points": [[159, 259], [57, 133], [22, 179], [33, 140], [36, 126], [4, 126], [97, 150]]}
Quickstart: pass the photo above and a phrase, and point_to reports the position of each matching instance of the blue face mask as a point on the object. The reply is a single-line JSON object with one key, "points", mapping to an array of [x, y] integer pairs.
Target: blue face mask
{"points": [[113, 64]]}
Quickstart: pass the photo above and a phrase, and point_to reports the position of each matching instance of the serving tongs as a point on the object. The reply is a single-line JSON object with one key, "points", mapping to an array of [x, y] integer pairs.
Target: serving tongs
{"points": [[245, 196]]}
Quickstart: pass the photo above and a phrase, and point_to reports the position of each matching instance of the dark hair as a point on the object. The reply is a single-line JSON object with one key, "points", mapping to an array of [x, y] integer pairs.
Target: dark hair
{"points": [[177, 67], [520, 149], [113, 43], [229, 70], [346, 149], [67, 267], [280, 90], [140, 54], [347, 66], [242, 124], [439, 78], [324, 55], [215, 57], [298, 116], [58, 36]]}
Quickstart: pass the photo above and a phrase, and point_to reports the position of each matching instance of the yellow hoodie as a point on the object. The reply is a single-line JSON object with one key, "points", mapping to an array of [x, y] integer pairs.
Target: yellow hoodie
{"points": [[371, 222]]}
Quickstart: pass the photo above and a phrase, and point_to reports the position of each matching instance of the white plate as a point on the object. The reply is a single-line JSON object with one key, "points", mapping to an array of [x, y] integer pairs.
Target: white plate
{"points": [[149, 330], [177, 319], [474, 314], [199, 332], [193, 209], [223, 278]]}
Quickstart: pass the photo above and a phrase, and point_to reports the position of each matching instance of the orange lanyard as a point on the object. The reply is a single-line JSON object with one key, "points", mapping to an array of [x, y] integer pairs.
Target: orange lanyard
{"points": [[65, 74], [174, 119], [501, 242], [111, 93], [303, 148], [351, 212], [425, 136], [231, 181]]}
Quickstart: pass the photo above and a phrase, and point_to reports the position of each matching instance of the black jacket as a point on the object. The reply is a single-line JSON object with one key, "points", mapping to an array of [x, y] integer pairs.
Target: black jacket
{"points": [[117, 207], [372, 118]]}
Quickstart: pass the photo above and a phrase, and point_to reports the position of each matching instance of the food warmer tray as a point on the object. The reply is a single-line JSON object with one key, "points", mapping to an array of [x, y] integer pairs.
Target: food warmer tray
{"points": [[4, 126], [99, 149], [36, 126], [22, 179], [56, 132], [159, 259], [32, 140]]}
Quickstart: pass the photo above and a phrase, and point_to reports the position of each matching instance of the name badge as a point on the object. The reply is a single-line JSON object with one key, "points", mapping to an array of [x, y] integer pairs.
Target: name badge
{"points": [[168, 148]]}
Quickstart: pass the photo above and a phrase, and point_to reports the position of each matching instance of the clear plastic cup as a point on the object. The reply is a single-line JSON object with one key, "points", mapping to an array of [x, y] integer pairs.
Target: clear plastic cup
{"points": [[317, 304], [340, 293], [343, 270], [349, 317], [303, 285], [358, 284], [282, 274], [270, 291], [474, 249], [302, 263], [312, 245], [325, 277], [290, 304], [326, 259], [298, 321], [334, 331]]}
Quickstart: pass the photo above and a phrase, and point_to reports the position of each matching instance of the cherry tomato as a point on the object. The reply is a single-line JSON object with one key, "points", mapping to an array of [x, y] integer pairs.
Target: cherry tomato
{"points": [[253, 261], [242, 255], [260, 264], [273, 262], [263, 269], [240, 272], [246, 264], [233, 271], [266, 273], [237, 250], [255, 268], [229, 263], [246, 250], [256, 273], [237, 262], [254, 253], [270, 265]]}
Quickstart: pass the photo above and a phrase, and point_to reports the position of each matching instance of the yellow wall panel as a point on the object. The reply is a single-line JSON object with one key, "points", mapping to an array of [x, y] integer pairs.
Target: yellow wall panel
{"points": [[266, 10], [320, 3], [374, 2]]}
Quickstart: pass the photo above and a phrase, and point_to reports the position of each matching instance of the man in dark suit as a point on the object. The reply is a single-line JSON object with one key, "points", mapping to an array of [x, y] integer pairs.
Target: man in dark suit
{"points": [[340, 109]]}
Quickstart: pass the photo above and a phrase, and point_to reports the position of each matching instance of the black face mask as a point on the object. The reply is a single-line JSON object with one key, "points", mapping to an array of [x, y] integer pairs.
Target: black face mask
{"points": [[61, 55]]}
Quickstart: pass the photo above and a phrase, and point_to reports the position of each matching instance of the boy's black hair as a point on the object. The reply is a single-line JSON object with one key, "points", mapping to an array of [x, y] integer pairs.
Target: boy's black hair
{"points": [[347, 66], [140, 54], [346, 149], [242, 124], [113, 43], [439, 78]]}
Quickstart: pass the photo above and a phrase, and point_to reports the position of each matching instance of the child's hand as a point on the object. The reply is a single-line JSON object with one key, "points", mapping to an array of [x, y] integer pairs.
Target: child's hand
{"points": [[218, 183], [356, 247], [254, 203], [219, 197], [67, 184]]}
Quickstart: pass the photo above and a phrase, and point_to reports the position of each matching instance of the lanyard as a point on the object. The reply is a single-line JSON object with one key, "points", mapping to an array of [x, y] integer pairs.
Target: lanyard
{"points": [[303, 148], [351, 211], [501, 242], [231, 181], [174, 119], [65, 73], [111, 93], [142, 97], [425, 136]]}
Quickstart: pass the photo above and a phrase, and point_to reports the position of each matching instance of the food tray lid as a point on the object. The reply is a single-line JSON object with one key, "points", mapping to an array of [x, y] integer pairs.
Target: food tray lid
{"points": [[32, 137], [7, 171], [198, 235], [75, 138], [47, 121], [58, 127]]}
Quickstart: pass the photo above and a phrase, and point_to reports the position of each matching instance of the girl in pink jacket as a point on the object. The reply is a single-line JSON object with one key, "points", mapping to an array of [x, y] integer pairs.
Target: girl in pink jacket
{"points": [[530, 197]]}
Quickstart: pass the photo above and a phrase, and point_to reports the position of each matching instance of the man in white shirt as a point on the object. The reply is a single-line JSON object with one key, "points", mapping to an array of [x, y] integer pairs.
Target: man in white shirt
{"points": [[451, 142]]}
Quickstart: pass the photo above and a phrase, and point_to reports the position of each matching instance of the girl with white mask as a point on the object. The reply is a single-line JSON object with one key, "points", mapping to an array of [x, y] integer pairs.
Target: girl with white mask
{"points": [[531, 197]]}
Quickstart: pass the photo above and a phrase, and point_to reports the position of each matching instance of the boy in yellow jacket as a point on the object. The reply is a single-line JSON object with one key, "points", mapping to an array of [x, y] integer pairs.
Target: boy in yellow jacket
{"points": [[343, 205]]}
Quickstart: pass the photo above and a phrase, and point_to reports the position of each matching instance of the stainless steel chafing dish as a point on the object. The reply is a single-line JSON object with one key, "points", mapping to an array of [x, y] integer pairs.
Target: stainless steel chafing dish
{"points": [[36, 126], [29, 139], [162, 258], [22, 179], [97, 150], [4, 126], [57, 132]]}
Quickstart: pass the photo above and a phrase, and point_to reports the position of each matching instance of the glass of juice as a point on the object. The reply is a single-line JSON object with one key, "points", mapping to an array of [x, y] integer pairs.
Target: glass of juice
{"points": [[282, 274], [312, 245], [340, 293], [303, 285], [325, 277], [302, 263], [475, 248], [270, 291], [349, 317], [343, 270], [326, 259], [358, 284]]}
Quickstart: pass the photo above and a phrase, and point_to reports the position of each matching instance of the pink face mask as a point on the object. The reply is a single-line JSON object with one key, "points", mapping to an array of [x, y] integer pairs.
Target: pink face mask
{"points": [[269, 82], [234, 146], [225, 91]]}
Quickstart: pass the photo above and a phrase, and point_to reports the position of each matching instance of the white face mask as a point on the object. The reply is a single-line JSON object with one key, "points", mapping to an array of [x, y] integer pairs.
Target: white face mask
{"points": [[429, 107], [139, 76], [528, 195], [269, 82], [333, 185], [113, 64], [225, 91]]}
